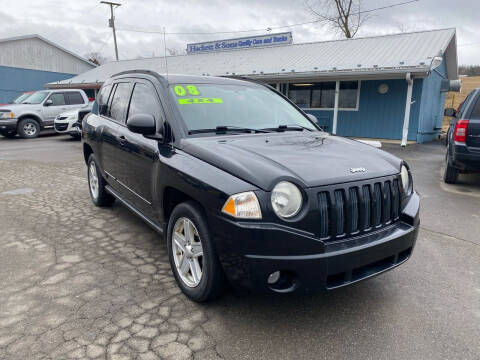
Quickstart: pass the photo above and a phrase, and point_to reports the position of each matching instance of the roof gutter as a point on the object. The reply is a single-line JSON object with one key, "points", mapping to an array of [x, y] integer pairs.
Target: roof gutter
{"points": [[398, 73]]}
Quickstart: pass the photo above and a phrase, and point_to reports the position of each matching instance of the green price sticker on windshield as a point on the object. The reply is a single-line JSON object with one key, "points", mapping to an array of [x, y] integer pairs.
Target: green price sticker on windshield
{"points": [[181, 91], [189, 101]]}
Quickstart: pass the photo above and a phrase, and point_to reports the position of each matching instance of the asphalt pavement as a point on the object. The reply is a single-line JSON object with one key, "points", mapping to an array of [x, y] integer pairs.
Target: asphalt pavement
{"points": [[78, 281]]}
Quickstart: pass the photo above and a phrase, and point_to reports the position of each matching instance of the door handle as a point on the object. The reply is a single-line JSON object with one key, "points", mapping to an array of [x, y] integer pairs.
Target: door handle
{"points": [[122, 140]]}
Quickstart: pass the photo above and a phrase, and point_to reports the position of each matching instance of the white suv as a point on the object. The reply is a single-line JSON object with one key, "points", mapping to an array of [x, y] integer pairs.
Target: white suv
{"points": [[38, 111], [70, 122]]}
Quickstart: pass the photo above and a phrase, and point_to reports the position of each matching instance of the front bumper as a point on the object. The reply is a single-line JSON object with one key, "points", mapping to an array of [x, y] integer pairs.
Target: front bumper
{"points": [[67, 127], [9, 125], [250, 252]]}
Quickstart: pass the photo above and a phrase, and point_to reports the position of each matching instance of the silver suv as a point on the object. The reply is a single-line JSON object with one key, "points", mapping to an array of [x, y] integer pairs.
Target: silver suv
{"points": [[38, 111]]}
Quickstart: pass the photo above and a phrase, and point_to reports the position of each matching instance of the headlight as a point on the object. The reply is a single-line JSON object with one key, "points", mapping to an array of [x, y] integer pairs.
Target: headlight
{"points": [[243, 206], [405, 179], [286, 199], [6, 115]]}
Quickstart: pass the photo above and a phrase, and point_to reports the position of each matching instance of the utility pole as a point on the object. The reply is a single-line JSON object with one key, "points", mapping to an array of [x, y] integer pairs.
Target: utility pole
{"points": [[111, 23]]}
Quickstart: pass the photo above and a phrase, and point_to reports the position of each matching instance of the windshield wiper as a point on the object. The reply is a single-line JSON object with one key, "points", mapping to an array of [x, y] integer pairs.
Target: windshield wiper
{"points": [[288, 128], [228, 128]]}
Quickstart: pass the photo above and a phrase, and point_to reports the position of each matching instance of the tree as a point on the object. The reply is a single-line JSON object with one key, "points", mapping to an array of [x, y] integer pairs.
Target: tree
{"points": [[96, 58], [343, 15], [469, 70]]}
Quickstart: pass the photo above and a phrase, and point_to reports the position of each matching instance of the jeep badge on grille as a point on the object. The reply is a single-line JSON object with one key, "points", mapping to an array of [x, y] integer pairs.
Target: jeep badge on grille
{"points": [[358, 169]]}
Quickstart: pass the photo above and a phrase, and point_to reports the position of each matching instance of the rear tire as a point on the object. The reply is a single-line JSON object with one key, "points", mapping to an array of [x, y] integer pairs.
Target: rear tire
{"points": [[28, 128], [210, 282], [96, 185], [451, 174]]}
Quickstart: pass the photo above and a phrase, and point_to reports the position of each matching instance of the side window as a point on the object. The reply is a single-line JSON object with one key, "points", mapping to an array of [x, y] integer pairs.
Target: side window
{"points": [[144, 101], [119, 102], [102, 97], [74, 98], [58, 99]]}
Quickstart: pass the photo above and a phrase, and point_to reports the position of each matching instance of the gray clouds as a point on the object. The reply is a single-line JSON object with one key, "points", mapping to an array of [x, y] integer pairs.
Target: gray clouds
{"points": [[81, 26]]}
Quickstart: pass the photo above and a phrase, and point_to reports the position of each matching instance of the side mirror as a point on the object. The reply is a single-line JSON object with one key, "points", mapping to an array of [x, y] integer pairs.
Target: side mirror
{"points": [[449, 112], [48, 102], [313, 118], [142, 124]]}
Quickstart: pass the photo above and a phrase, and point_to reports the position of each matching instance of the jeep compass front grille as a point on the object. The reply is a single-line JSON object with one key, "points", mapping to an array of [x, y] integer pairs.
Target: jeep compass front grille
{"points": [[359, 208]]}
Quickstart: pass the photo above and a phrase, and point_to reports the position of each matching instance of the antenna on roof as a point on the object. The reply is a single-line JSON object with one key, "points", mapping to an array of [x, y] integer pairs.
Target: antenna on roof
{"points": [[165, 52]]}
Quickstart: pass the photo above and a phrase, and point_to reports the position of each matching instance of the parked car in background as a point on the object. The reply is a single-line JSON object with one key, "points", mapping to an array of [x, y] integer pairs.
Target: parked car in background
{"points": [[70, 122], [463, 138], [245, 186], [38, 111]]}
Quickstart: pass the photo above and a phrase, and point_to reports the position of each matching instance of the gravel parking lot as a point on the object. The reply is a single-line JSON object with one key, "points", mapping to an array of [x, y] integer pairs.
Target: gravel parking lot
{"points": [[82, 282]]}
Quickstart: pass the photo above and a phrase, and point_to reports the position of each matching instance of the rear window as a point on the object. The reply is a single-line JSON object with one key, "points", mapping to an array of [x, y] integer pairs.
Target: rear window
{"points": [[476, 110], [74, 98], [464, 105]]}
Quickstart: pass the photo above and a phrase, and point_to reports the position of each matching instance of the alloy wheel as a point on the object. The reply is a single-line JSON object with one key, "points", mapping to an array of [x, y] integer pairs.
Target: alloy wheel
{"points": [[30, 129], [93, 179], [187, 252]]}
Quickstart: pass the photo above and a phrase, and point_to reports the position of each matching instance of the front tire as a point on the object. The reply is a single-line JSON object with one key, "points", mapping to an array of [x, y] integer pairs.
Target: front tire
{"points": [[192, 256], [96, 185], [28, 128]]}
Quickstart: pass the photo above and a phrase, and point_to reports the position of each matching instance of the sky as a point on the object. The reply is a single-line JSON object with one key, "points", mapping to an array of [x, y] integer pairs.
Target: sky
{"points": [[81, 26]]}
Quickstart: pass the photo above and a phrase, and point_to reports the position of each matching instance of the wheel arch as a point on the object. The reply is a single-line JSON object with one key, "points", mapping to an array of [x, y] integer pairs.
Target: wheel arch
{"points": [[87, 151], [173, 197], [33, 117]]}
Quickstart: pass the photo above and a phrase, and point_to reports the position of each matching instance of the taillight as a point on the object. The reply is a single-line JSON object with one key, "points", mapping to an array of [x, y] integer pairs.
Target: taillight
{"points": [[460, 134]]}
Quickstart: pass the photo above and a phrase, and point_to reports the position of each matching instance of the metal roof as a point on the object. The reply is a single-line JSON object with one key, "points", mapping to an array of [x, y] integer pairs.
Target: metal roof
{"points": [[33, 36], [387, 56]]}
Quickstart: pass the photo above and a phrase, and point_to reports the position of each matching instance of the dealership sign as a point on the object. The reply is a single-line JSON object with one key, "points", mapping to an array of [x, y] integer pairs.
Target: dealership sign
{"points": [[241, 43]]}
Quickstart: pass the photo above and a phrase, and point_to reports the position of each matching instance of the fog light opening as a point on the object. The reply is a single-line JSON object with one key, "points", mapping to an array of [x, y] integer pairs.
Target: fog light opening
{"points": [[282, 281]]}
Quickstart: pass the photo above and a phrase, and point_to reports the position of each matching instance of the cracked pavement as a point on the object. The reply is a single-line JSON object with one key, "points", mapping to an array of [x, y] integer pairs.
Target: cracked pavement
{"points": [[78, 281]]}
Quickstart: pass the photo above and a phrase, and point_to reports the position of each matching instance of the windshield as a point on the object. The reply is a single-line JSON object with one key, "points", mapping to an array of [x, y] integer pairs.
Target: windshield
{"points": [[36, 97], [208, 106], [21, 98]]}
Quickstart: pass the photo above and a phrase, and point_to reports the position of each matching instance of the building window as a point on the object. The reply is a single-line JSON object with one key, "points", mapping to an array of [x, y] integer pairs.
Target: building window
{"points": [[322, 95]]}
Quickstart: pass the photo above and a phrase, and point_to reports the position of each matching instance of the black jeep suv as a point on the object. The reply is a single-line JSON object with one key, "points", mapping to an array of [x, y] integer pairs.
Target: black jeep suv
{"points": [[463, 138], [245, 186]]}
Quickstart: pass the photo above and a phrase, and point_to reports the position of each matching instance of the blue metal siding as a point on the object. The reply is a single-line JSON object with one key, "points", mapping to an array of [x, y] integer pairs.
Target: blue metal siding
{"points": [[431, 110], [378, 116], [15, 81]]}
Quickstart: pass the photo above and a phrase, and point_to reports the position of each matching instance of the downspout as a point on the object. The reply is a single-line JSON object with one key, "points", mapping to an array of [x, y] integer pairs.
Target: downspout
{"points": [[408, 103], [335, 109]]}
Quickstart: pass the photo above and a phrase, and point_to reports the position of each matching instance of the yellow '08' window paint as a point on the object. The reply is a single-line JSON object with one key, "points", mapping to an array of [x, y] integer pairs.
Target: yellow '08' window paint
{"points": [[180, 90]]}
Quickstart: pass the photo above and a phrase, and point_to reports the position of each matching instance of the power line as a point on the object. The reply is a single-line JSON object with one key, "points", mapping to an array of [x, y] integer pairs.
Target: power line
{"points": [[269, 28]]}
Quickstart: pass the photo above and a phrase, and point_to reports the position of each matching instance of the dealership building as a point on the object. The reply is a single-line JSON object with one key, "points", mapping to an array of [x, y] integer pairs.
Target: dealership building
{"points": [[386, 87], [28, 62]]}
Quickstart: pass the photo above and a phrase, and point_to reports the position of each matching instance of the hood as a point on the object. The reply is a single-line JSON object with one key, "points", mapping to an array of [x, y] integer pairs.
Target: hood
{"points": [[17, 107], [68, 113], [308, 159]]}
